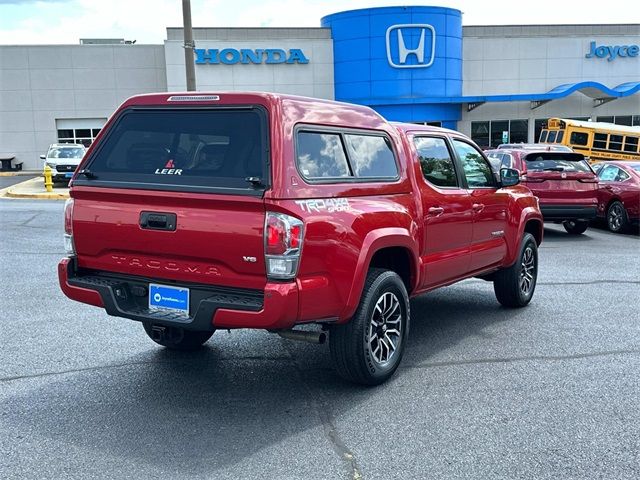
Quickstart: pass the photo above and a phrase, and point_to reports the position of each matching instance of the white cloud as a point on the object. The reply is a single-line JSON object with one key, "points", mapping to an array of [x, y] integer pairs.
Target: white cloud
{"points": [[66, 21]]}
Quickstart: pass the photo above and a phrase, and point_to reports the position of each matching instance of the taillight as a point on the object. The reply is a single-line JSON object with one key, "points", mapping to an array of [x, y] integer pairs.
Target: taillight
{"points": [[283, 236], [68, 227]]}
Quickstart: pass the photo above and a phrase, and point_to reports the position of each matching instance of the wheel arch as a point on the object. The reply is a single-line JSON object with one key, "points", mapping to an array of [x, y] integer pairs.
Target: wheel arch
{"points": [[389, 248]]}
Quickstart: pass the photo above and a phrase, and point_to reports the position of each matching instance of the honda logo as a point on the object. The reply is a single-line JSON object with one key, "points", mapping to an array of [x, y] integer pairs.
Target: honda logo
{"points": [[413, 47]]}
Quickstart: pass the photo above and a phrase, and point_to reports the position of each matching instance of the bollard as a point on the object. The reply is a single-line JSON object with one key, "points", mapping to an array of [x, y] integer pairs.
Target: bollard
{"points": [[48, 183]]}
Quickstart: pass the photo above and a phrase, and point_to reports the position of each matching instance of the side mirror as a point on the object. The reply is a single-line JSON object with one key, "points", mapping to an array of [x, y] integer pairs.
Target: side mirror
{"points": [[509, 177], [43, 157]]}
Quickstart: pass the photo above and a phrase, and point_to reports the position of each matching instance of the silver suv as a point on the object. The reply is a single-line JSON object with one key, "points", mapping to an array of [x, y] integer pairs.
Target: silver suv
{"points": [[63, 159]]}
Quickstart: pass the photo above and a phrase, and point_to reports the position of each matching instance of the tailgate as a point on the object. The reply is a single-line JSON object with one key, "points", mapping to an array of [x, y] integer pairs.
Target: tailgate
{"points": [[176, 193], [216, 239]]}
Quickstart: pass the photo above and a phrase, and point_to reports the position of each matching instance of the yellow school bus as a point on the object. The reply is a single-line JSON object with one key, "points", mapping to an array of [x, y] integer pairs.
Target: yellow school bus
{"points": [[595, 140]]}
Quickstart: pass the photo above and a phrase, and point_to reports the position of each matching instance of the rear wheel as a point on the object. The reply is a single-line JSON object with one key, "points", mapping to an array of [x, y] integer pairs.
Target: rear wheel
{"points": [[176, 338], [575, 227], [514, 286], [369, 348], [617, 219]]}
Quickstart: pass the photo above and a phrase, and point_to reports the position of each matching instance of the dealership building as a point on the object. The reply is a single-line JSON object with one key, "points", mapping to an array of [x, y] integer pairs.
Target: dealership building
{"points": [[412, 64]]}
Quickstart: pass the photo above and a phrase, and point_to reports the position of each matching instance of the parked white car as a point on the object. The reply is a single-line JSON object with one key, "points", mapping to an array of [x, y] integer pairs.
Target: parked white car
{"points": [[63, 159]]}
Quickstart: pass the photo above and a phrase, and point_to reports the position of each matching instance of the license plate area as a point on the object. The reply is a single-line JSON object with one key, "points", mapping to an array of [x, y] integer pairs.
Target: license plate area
{"points": [[168, 298], [68, 175]]}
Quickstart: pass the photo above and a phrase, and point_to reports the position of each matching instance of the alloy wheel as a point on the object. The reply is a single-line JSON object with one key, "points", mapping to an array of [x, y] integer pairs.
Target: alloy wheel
{"points": [[527, 271], [616, 216], [385, 328]]}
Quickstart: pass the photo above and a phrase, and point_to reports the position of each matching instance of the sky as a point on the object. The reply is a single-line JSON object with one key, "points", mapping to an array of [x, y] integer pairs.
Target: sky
{"points": [[66, 21]]}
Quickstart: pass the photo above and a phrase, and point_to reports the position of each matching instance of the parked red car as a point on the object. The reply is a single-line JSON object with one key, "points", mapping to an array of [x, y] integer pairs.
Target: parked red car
{"points": [[564, 183], [619, 194], [196, 212]]}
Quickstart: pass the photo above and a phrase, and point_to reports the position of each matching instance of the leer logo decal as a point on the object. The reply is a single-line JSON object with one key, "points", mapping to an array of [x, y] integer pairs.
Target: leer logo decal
{"points": [[169, 169]]}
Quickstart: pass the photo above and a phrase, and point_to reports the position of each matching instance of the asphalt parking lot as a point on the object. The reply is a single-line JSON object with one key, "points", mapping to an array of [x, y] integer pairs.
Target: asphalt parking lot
{"points": [[549, 391], [12, 180]]}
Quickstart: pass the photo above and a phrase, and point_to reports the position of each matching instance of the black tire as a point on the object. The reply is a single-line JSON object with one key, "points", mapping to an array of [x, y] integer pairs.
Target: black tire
{"points": [[510, 284], [176, 338], [575, 227], [358, 347], [617, 218]]}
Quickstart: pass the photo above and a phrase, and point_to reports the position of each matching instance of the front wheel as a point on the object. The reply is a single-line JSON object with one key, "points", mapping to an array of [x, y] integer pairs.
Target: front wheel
{"points": [[369, 348], [176, 338], [514, 286], [575, 227], [617, 219]]}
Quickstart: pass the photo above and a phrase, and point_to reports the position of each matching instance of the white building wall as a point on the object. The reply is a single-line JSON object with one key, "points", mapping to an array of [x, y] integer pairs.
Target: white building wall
{"points": [[314, 79], [536, 59], [42, 84]]}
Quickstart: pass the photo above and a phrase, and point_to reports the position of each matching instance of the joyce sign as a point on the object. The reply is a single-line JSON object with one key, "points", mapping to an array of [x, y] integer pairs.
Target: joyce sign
{"points": [[231, 56], [611, 52]]}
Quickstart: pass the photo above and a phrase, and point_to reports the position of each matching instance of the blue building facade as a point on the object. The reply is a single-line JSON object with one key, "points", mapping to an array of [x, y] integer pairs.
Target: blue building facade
{"points": [[405, 62]]}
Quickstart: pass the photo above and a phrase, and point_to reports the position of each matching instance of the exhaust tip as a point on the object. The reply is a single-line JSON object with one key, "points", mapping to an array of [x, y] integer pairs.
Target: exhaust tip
{"points": [[304, 336]]}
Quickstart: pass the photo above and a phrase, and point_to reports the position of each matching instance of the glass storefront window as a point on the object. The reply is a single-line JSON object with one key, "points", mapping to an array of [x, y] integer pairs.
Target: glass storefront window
{"points": [[519, 131], [496, 129], [539, 124], [480, 133]]}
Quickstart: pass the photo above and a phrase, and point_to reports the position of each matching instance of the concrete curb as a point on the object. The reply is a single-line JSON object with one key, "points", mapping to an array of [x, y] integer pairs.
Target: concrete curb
{"points": [[20, 173], [33, 189], [38, 196]]}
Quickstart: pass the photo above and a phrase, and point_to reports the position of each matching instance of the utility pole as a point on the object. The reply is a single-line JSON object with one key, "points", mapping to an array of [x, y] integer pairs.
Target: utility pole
{"points": [[188, 46]]}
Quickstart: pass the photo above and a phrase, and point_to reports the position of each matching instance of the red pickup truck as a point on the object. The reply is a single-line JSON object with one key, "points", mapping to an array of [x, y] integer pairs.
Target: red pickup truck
{"points": [[196, 212]]}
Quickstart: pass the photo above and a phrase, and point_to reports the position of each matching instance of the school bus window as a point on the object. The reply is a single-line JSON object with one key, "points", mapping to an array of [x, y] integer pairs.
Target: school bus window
{"points": [[615, 142], [579, 138], [552, 136], [600, 141], [560, 136], [631, 144], [543, 136]]}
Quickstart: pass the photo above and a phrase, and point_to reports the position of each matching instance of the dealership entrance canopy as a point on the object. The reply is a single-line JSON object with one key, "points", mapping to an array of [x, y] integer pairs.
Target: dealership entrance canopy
{"points": [[414, 64]]}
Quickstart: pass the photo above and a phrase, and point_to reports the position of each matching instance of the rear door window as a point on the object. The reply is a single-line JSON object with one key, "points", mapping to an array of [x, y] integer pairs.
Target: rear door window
{"points": [[556, 162], [186, 150], [608, 173], [435, 161]]}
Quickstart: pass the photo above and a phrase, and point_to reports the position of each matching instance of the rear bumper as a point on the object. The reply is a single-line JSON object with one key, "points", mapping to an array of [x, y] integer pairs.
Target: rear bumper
{"points": [[568, 212], [210, 307]]}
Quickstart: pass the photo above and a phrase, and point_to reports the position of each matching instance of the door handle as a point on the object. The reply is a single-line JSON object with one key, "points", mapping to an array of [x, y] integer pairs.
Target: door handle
{"points": [[477, 207], [435, 211]]}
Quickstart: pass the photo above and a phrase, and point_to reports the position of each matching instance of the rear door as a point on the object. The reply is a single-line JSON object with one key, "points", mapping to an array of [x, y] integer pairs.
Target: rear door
{"points": [[447, 213], [488, 204], [176, 193], [559, 178]]}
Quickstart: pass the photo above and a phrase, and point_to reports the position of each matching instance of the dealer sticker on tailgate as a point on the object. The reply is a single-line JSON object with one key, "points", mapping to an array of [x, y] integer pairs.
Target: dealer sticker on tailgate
{"points": [[171, 298]]}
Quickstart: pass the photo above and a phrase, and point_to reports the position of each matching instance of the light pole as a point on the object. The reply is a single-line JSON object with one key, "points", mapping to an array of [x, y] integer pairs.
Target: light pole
{"points": [[188, 46]]}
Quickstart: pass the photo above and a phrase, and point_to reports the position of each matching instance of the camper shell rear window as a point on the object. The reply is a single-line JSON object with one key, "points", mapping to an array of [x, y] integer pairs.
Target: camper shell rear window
{"points": [[219, 150]]}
